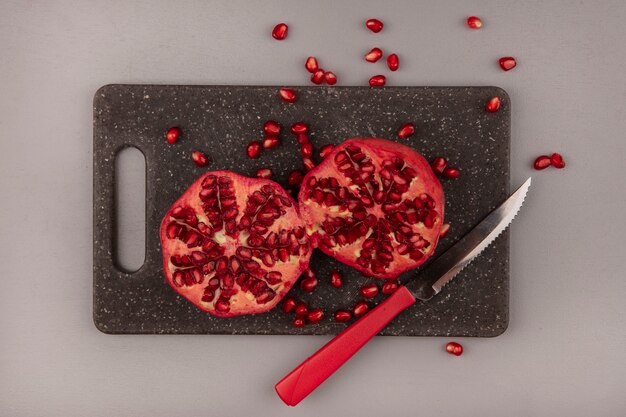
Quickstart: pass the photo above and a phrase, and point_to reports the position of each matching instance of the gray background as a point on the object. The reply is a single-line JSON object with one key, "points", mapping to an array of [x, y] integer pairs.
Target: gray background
{"points": [[563, 353]]}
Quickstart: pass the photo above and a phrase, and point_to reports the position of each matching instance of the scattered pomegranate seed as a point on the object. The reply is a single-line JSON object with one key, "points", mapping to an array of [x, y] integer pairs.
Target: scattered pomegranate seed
{"points": [[298, 322], [444, 230], [299, 128], [369, 291], [390, 287], [306, 149], [406, 130], [287, 94], [326, 150], [318, 77], [254, 149], [454, 348], [172, 135], [308, 284], [393, 62], [474, 22], [330, 77], [272, 128], [288, 305], [451, 172], [264, 173], [315, 315], [493, 104], [199, 158], [542, 162], [341, 316], [507, 63], [311, 64], [309, 273], [439, 164], [360, 308], [374, 55], [280, 31], [295, 177], [557, 161], [301, 309], [308, 164], [378, 81], [335, 278], [374, 25], [302, 139], [270, 142]]}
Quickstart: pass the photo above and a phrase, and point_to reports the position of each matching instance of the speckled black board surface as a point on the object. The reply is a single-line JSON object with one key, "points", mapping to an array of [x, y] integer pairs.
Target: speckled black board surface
{"points": [[221, 120]]}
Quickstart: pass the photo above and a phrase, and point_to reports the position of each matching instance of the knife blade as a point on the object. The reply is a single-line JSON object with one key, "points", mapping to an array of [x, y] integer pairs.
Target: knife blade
{"points": [[305, 378]]}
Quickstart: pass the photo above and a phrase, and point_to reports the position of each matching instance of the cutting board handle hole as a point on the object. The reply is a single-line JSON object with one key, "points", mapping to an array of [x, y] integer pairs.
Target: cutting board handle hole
{"points": [[129, 241]]}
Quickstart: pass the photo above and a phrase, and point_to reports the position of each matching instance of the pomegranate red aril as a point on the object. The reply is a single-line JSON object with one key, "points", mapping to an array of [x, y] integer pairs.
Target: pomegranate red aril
{"points": [[308, 164], [199, 158], [271, 142], [172, 135], [474, 22], [369, 291], [272, 128], [302, 139], [253, 150], [298, 322], [326, 150], [311, 64], [493, 105], [287, 94], [280, 31], [454, 348], [439, 164], [374, 25], [308, 284], [299, 128], [407, 130], [557, 161], [295, 178], [393, 62], [542, 162], [301, 309], [341, 316], [317, 77], [289, 305], [315, 316], [507, 63], [444, 230], [451, 172], [390, 287], [335, 278], [377, 81], [306, 150], [374, 55], [264, 173], [330, 78], [360, 308]]}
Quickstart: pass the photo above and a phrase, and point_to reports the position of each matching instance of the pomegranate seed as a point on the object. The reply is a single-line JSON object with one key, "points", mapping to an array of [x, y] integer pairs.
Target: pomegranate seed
{"points": [[308, 284], [406, 130], [374, 55], [311, 64], [326, 150], [270, 142], [199, 158], [172, 135], [369, 291], [308, 164], [306, 149], [330, 77], [264, 173], [451, 172], [342, 316], [299, 128], [439, 164], [309, 273], [542, 162], [557, 161], [315, 315], [390, 287], [393, 62], [295, 177], [507, 63], [360, 308], [335, 278], [280, 31], [318, 77], [493, 104], [374, 25], [302, 139], [378, 81], [254, 149], [444, 230], [301, 309], [454, 348], [272, 128], [288, 305], [287, 94], [474, 22], [298, 322]]}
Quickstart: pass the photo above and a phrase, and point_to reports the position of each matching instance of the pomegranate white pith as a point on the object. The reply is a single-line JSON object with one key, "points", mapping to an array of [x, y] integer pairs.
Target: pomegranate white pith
{"points": [[233, 245]]}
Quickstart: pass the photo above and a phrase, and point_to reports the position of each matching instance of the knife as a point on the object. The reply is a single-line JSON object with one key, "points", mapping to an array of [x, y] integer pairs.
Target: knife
{"points": [[304, 379]]}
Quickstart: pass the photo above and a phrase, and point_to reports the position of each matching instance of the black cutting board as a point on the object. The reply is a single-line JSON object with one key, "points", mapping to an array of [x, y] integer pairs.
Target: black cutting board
{"points": [[221, 120]]}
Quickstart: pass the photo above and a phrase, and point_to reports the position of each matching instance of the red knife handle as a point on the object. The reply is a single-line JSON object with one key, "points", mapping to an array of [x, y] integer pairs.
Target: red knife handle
{"points": [[303, 380]]}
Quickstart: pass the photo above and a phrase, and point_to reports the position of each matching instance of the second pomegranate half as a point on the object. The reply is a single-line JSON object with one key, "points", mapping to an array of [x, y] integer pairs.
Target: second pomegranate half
{"points": [[375, 205]]}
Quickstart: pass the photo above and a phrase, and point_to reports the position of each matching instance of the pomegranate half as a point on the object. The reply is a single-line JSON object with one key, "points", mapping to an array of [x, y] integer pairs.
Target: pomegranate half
{"points": [[234, 245], [375, 205]]}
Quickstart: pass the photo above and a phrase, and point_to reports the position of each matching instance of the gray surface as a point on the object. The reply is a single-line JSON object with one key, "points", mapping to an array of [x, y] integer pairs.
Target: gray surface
{"points": [[221, 120], [563, 354]]}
